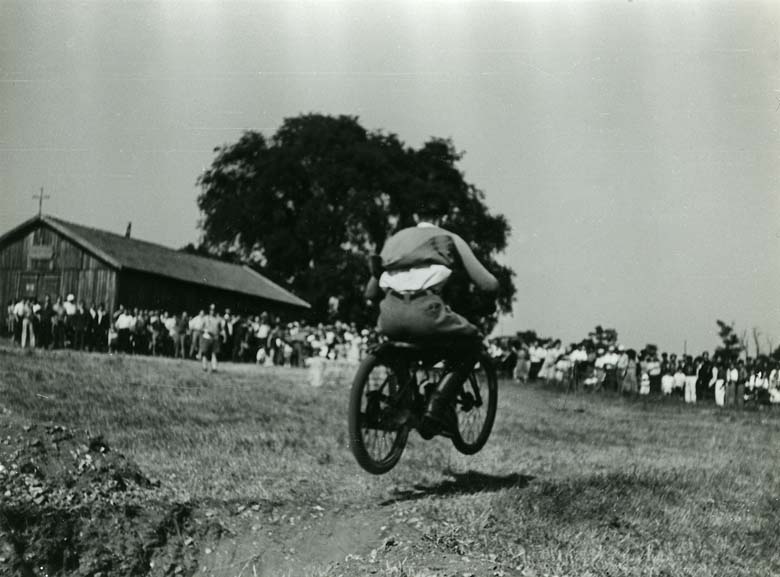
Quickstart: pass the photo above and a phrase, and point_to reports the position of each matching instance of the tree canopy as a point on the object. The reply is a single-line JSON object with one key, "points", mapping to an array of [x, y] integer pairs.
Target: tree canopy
{"points": [[307, 205], [731, 346]]}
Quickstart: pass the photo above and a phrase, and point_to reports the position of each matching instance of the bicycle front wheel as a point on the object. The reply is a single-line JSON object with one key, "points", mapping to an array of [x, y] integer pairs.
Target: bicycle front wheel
{"points": [[377, 430], [475, 408]]}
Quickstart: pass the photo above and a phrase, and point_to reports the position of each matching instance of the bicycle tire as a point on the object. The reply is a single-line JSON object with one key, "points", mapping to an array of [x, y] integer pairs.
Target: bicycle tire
{"points": [[360, 421], [483, 377]]}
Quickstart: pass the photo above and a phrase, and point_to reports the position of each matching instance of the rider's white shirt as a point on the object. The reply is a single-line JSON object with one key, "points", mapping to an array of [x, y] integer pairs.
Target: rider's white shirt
{"points": [[415, 279]]}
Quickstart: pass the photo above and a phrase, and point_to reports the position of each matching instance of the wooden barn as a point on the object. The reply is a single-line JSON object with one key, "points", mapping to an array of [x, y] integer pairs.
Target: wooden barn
{"points": [[49, 256]]}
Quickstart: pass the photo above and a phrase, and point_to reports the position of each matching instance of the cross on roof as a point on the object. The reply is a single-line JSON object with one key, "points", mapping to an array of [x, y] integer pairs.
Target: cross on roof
{"points": [[40, 196]]}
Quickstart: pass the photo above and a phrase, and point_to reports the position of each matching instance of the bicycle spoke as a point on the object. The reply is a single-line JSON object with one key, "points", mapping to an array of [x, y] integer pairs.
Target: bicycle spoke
{"points": [[471, 421]]}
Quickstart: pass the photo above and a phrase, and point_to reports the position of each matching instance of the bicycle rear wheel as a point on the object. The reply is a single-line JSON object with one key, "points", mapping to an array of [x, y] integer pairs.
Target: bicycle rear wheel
{"points": [[475, 408], [377, 430]]}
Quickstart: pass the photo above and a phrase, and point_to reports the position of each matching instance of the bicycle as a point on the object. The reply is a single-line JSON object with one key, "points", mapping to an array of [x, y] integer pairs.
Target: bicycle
{"points": [[390, 393]]}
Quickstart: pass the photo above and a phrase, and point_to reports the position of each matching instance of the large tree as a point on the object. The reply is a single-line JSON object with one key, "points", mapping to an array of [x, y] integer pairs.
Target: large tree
{"points": [[307, 205], [731, 346]]}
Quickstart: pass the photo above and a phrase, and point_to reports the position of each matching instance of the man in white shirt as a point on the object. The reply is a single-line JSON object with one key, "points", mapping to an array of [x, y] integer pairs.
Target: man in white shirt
{"points": [[196, 328], [18, 314], [123, 326], [209, 338]]}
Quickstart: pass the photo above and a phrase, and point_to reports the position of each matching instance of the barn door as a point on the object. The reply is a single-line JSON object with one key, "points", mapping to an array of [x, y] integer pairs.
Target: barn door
{"points": [[49, 284]]}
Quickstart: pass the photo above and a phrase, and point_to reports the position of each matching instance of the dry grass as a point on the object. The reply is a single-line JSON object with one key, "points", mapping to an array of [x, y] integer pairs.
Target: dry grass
{"points": [[567, 485]]}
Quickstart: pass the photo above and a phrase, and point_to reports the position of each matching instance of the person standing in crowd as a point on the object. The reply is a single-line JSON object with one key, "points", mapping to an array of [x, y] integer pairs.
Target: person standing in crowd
{"points": [[774, 384], [226, 336], [91, 333], [703, 376], [523, 363], [611, 382], [667, 377], [678, 386], [28, 329], [739, 395], [689, 368], [654, 372], [261, 335], [298, 341], [732, 377], [537, 354], [209, 338], [274, 346], [79, 321], [644, 384], [58, 324], [674, 363], [238, 343], [629, 369], [102, 326], [10, 317], [180, 336], [579, 359], [718, 381], [141, 333], [123, 324], [45, 315], [196, 329], [157, 330], [18, 314], [70, 311]]}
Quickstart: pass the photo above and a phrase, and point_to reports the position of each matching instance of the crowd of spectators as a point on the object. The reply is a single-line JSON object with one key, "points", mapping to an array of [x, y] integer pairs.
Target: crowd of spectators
{"points": [[211, 336], [722, 377], [208, 334]]}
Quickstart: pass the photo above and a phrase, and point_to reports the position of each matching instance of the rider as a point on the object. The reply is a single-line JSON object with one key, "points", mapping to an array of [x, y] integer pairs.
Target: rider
{"points": [[416, 263]]}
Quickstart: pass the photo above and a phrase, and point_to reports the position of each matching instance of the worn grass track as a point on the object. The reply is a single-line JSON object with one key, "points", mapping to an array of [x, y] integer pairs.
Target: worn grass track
{"points": [[567, 485]]}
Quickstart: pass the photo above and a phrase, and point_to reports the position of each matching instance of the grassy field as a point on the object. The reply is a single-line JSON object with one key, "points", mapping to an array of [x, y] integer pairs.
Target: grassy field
{"points": [[581, 484]]}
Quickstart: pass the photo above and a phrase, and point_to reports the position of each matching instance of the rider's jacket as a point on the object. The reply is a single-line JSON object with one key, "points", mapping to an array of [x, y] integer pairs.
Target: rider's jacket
{"points": [[423, 257]]}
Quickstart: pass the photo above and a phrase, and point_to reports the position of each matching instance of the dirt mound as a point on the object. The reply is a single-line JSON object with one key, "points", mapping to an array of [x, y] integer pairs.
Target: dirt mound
{"points": [[72, 506]]}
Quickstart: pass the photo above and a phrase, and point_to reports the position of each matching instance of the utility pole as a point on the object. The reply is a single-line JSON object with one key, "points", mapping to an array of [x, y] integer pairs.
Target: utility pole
{"points": [[40, 198]]}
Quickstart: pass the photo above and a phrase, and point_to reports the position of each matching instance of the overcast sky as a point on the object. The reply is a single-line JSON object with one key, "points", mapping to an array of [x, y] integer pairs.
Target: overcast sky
{"points": [[633, 146]]}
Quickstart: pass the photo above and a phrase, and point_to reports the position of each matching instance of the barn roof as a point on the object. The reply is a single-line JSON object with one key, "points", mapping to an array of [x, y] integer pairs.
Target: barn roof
{"points": [[121, 252]]}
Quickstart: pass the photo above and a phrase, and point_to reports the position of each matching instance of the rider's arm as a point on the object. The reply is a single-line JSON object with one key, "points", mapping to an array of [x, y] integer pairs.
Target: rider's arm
{"points": [[481, 276], [372, 289]]}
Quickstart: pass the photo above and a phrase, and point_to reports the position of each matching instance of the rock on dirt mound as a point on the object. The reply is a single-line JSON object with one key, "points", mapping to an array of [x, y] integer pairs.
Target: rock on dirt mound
{"points": [[72, 506]]}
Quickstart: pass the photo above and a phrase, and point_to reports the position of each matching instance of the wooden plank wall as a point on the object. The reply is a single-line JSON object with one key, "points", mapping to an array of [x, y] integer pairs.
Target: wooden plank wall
{"points": [[79, 273]]}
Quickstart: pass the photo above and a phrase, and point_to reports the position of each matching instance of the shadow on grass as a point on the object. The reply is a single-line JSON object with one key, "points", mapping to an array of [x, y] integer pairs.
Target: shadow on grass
{"points": [[466, 483]]}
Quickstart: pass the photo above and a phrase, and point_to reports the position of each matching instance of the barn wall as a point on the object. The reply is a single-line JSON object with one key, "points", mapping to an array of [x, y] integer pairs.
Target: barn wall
{"points": [[41, 261]]}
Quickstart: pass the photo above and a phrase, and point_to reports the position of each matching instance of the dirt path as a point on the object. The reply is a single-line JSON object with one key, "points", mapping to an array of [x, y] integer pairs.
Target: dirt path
{"points": [[313, 542]]}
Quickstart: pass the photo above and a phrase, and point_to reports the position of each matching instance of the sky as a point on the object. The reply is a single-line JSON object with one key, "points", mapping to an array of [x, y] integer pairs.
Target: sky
{"points": [[633, 146]]}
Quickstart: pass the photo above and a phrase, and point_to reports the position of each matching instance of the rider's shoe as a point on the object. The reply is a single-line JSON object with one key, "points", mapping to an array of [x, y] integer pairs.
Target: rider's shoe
{"points": [[439, 418]]}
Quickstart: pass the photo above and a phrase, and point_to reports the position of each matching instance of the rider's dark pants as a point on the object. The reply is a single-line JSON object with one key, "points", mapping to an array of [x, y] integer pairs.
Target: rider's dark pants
{"points": [[421, 318], [427, 318]]}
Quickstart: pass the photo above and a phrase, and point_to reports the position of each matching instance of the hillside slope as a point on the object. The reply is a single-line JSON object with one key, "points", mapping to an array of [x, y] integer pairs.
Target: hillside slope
{"points": [[247, 472]]}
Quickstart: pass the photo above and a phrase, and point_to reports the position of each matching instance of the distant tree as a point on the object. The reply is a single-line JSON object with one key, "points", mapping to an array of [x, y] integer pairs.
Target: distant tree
{"points": [[650, 350], [309, 203], [527, 337], [603, 338], [776, 354], [731, 346]]}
